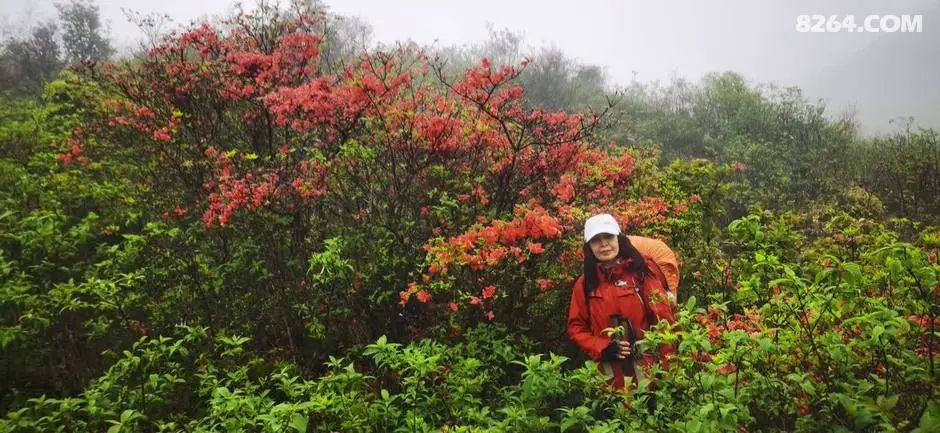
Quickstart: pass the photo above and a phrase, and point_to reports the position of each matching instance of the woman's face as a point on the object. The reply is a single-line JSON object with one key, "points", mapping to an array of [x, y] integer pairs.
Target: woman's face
{"points": [[605, 247]]}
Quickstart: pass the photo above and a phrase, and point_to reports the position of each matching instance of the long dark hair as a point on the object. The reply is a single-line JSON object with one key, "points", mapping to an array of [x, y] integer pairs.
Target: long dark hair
{"points": [[627, 252]]}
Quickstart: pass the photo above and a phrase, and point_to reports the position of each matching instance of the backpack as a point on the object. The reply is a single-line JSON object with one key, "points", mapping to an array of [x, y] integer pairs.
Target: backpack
{"points": [[663, 256]]}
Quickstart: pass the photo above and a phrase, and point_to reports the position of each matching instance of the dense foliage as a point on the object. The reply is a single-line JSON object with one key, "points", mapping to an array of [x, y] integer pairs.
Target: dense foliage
{"points": [[235, 233]]}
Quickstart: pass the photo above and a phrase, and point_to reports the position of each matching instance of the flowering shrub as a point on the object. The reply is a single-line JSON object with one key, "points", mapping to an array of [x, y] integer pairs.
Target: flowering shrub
{"points": [[436, 196]]}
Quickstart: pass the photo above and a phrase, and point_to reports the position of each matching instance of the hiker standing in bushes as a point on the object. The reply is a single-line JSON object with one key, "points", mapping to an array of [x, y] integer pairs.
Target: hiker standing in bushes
{"points": [[620, 287]]}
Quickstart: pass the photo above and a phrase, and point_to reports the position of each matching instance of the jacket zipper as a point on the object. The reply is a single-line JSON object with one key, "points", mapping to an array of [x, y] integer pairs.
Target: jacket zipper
{"points": [[636, 291]]}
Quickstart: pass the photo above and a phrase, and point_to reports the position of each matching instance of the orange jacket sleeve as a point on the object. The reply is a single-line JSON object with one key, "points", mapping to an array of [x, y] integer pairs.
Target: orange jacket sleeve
{"points": [[579, 325]]}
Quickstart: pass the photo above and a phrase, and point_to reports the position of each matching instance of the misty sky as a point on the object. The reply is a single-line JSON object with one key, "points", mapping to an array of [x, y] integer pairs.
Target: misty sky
{"points": [[654, 39]]}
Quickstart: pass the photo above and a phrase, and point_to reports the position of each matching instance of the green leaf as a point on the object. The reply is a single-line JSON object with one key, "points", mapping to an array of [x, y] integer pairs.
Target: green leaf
{"points": [[847, 404], [808, 387], [824, 274], [705, 410], [568, 423], [707, 381], [298, 422], [852, 274], [887, 404], [930, 420]]}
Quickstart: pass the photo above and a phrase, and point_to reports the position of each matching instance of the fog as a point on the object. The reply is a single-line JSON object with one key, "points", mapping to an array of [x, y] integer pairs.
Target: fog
{"points": [[876, 76]]}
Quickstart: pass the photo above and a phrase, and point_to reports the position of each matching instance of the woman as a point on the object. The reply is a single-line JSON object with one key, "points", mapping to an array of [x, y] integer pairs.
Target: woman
{"points": [[619, 287]]}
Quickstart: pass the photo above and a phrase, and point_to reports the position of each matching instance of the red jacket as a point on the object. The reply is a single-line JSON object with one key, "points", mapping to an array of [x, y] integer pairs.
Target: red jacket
{"points": [[617, 294]]}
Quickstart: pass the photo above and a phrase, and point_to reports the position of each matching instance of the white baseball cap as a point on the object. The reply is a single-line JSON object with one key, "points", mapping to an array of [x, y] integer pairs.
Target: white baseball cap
{"points": [[600, 223]]}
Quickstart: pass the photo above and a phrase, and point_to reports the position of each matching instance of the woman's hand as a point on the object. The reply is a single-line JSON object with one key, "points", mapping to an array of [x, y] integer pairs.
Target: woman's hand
{"points": [[617, 349], [624, 351]]}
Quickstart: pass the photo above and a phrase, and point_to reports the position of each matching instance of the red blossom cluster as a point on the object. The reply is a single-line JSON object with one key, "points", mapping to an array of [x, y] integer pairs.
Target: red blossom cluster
{"points": [[231, 193], [544, 284], [422, 295], [126, 115], [927, 343], [727, 368], [486, 295], [801, 400], [74, 152], [172, 216], [649, 210], [490, 245], [204, 38], [310, 180], [590, 175], [716, 323], [138, 328], [923, 321], [483, 123], [480, 84]]}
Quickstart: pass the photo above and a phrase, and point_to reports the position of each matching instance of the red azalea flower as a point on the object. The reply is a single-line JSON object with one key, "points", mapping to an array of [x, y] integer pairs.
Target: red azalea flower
{"points": [[423, 296], [727, 368], [161, 135], [536, 248], [403, 295]]}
